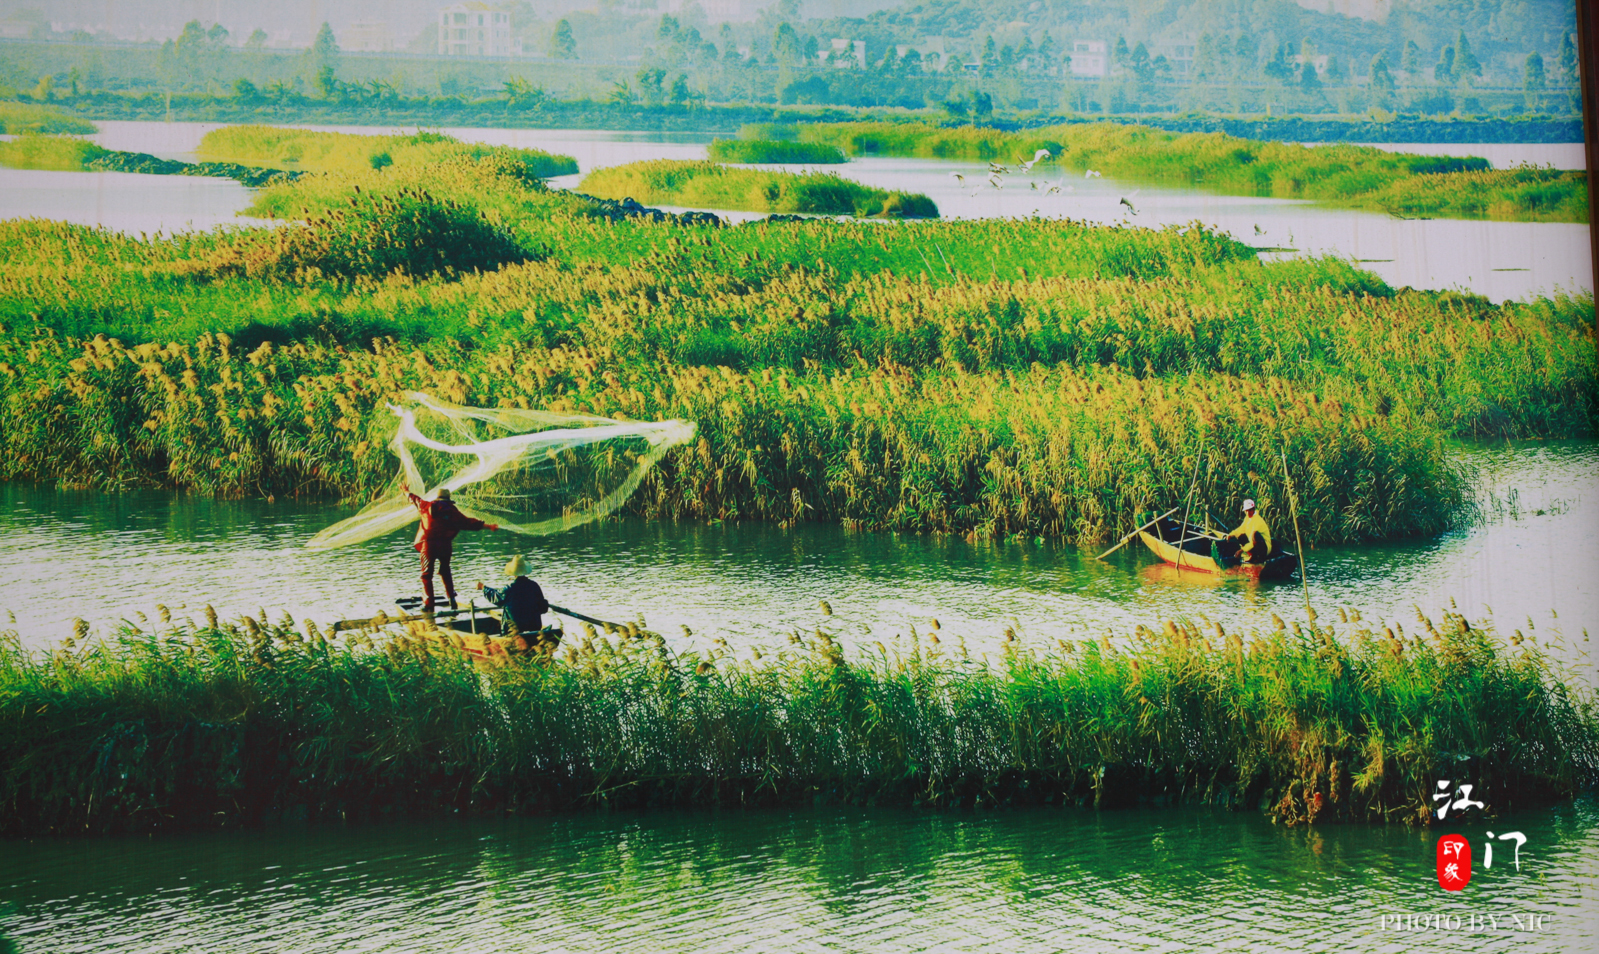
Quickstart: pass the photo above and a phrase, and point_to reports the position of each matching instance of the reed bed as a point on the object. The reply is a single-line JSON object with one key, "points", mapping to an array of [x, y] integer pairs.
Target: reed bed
{"points": [[230, 723], [985, 378], [710, 185], [35, 119], [309, 151], [1359, 177], [52, 153], [1051, 451], [774, 151]]}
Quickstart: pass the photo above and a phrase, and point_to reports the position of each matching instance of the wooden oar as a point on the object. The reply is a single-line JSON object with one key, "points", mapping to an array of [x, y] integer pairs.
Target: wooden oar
{"points": [[587, 619], [1123, 541], [347, 624]]}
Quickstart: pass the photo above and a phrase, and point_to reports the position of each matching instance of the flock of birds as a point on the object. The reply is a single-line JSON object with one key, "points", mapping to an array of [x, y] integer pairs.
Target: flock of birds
{"points": [[998, 172]]}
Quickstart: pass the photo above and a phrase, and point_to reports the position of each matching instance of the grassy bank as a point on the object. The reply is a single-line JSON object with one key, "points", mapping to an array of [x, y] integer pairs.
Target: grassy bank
{"points": [[53, 153], [713, 186], [1014, 378], [63, 154], [309, 151], [35, 119], [1357, 177], [774, 151], [245, 722]]}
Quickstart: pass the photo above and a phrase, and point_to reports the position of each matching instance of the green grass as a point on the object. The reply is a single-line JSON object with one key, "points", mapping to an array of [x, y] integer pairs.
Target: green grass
{"points": [[308, 151], [31, 119], [774, 151], [54, 153], [708, 185], [1359, 177], [242, 722], [1034, 378]]}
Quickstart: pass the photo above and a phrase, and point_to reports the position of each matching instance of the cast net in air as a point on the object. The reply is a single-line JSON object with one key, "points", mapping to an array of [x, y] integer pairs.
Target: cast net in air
{"points": [[531, 472]]}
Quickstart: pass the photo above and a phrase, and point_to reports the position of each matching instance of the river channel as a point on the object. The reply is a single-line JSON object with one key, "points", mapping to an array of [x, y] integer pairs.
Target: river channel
{"points": [[862, 880], [1501, 260], [1529, 560]]}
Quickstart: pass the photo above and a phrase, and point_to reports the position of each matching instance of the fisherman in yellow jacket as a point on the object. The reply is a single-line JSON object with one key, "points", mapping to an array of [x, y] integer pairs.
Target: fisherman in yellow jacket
{"points": [[1254, 534]]}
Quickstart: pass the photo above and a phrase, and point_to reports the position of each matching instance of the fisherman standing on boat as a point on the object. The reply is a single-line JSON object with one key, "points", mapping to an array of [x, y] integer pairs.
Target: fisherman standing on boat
{"points": [[435, 540], [523, 601], [1254, 534]]}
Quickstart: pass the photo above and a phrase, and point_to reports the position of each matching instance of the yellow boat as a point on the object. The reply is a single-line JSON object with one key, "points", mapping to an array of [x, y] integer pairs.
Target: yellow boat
{"points": [[1197, 552]]}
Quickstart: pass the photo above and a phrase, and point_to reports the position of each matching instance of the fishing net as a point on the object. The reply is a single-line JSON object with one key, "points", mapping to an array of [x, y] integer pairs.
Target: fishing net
{"points": [[531, 472]]}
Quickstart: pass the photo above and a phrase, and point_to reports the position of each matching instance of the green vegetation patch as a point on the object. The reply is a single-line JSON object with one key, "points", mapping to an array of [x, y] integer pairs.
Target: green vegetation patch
{"points": [[712, 186], [990, 378], [310, 151], [54, 153], [32, 119], [244, 722], [1358, 177], [775, 151]]}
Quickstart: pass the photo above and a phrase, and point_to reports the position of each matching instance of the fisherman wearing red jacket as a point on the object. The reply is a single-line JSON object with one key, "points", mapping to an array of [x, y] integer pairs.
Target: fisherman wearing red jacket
{"points": [[435, 540]]}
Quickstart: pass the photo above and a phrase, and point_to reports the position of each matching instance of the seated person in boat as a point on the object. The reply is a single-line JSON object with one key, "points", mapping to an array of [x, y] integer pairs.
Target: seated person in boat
{"points": [[1251, 542], [435, 540], [523, 602]]}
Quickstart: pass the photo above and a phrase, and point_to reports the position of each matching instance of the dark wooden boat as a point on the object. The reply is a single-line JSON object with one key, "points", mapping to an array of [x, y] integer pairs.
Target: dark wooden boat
{"points": [[1191, 546]]}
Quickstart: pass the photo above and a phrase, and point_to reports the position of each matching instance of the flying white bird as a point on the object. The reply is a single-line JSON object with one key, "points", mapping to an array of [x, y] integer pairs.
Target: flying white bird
{"points": [[1091, 174], [960, 179], [1129, 205], [994, 181], [1027, 165], [995, 168]]}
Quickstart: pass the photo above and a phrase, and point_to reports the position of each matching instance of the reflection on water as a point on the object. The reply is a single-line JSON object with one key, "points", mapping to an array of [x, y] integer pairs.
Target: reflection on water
{"points": [[814, 880], [106, 557]]}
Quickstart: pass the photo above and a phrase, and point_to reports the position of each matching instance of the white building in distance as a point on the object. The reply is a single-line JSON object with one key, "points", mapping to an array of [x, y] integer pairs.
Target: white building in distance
{"points": [[1090, 58], [473, 29]]}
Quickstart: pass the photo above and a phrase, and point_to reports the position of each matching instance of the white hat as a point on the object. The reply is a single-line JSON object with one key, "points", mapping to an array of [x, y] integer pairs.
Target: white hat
{"points": [[516, 567], [1249, 505]]}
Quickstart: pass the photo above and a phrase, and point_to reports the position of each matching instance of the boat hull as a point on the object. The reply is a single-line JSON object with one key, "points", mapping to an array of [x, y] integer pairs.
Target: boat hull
{"points": [[1196, 555]]}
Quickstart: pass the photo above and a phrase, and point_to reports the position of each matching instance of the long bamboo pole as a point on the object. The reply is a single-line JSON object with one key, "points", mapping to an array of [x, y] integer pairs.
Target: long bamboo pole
{"points": [[1293, 507], [1182, 534], [1123, 541]]}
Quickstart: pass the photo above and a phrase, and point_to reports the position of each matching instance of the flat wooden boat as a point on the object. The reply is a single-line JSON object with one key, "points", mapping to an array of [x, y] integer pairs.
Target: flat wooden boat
{"points": [[1191, 546]]}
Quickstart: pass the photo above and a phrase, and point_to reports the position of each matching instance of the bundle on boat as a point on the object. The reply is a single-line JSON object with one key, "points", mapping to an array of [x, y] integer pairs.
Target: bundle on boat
{"points": [[230, 723]]}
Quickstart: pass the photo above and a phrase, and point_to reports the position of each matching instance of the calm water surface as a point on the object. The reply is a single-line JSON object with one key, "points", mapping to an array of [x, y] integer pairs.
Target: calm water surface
{"points": [[815, 880], [107, 557], [1502, 260]]}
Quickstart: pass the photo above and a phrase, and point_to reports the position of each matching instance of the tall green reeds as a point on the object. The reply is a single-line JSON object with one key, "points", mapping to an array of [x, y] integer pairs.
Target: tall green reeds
{"points": [[1037, 378], [709, 185], [1360, 177], [243, 722], [35, 119], [53, 153], [311, 151], [774, 151]]}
